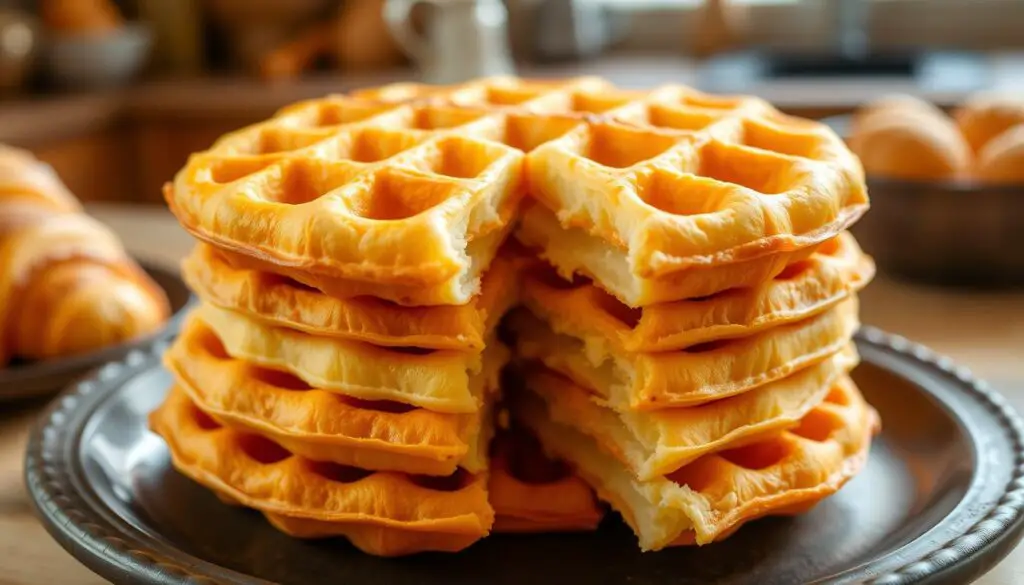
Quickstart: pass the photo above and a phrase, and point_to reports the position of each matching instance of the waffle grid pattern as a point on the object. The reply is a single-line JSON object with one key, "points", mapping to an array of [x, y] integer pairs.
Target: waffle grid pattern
{"points": [[344, 185]]}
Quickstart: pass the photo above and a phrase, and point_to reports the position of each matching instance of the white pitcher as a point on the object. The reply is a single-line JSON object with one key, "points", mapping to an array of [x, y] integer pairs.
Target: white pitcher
{"points": [[462, 39]]}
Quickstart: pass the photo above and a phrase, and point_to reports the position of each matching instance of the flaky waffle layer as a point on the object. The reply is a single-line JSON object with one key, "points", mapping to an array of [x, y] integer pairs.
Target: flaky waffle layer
{"points": [[390, 187], [283, 302], [708, 499], [373, 198], [442, 380], [837, 270], [532, 493], [326, 426], [692, 376], [659, 442], [455, 291], [382, 513], [357, 196], [573, 252], [682, 179]]}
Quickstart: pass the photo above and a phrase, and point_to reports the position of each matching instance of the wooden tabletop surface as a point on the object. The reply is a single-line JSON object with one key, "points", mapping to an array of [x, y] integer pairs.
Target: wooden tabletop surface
{"points": [[984, 332]]}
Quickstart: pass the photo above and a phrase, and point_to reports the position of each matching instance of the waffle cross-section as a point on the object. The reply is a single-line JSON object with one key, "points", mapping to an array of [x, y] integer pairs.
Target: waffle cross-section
{"points": [[656, 198]]}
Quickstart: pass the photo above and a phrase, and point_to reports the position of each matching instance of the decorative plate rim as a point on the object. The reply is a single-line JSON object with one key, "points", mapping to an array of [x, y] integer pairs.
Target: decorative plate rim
{"points": [[67, 516]]}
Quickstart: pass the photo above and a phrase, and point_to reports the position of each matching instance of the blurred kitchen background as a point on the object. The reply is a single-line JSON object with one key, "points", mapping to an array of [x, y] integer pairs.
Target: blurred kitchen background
{"points": [[116, 94]]}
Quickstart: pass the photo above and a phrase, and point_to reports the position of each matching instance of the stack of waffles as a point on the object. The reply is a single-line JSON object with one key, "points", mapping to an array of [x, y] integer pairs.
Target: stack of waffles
{"points": [[341, 373], [687, 332], [688, 292]]}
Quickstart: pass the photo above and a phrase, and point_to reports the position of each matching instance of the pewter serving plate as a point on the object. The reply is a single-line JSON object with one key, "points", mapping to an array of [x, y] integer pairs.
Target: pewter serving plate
{"points": [[939, 502], [33, 379]]}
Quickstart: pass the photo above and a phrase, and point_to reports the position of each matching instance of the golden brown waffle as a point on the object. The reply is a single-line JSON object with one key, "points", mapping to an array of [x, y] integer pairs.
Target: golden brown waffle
{"points": [[280, 301], [697, 374], [327, 426], [406, 202], [660, 442], [443, 380], [382, 513], [708, 499], [682, 181], [837, 270], [532, 493], [574, 253], [404, 192]]}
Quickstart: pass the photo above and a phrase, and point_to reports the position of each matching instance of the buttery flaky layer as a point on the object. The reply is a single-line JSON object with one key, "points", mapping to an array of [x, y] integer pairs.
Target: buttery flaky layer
{"points": [[385, 196], [684, 180], [532, 493], [442, 381], [573, 251], [382, 513], [457, 290], [836, 270], [283, 302], [698, 374], [327, 426], [659, 442], [370, 202], [708, 499]]}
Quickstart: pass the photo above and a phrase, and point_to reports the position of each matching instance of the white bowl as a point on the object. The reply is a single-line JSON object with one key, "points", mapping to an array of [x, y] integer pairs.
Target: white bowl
{"points": [[98, 61]]}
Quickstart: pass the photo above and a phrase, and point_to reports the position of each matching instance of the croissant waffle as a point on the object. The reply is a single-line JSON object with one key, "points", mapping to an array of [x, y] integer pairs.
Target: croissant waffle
{"points": [[708, 499], [406, 202], [279, 301], [660, 442], [657, 200], [688, 321], [532, 493], [381, 512], [67, 285], [837, 270], [326, 426], [373, 195], [442, 381], [695, 375]]}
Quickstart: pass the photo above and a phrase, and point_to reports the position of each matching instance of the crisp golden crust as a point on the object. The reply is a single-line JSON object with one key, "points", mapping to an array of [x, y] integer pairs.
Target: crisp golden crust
{"points": [[458, 290], [708, 499], [282, 302], [659, 442], [837, 270], [531, 493], [443, 380], [387, 189], [574, 252], [695, 375], [382, 513], [682, 179], [326, 426]]}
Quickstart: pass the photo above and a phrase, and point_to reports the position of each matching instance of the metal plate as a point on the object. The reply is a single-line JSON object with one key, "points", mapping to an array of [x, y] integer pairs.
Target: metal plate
{"points": [[939, 502], [51, 376]]}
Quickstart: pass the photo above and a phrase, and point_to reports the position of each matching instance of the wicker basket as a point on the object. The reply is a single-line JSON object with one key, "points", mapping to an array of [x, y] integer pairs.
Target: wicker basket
{"points": [[951, 233]]}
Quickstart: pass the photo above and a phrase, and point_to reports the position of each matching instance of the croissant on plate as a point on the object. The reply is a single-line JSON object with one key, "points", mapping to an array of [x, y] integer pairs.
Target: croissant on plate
{"points": [[67, 285]]}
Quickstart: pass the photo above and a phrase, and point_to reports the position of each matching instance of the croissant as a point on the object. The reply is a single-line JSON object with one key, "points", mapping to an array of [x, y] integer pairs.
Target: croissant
{"points": [[67, 285]]}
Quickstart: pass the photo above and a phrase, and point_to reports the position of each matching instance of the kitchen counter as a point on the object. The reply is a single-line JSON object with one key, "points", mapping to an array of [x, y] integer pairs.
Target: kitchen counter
{"points": [[31, 120], [122, 145], [982, 331]]}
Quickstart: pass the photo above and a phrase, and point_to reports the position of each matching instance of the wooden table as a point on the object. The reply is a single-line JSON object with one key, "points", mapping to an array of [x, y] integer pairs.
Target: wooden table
{"points": [[984, 332]]}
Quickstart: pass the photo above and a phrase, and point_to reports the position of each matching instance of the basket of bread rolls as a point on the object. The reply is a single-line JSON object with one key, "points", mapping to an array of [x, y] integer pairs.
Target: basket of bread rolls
{"points": [[947, 189], [71, 297]]}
